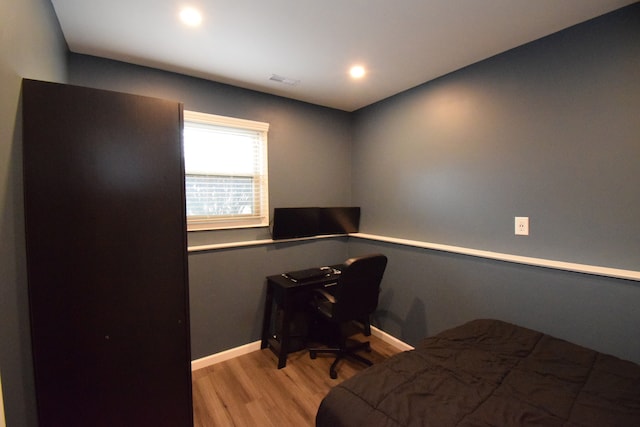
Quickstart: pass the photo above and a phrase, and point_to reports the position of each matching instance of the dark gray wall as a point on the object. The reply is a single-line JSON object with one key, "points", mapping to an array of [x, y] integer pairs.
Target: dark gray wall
{"points": [[31, 46], [309, 165], [228, 288], [425, 291], [309, 146], [549, 130]]}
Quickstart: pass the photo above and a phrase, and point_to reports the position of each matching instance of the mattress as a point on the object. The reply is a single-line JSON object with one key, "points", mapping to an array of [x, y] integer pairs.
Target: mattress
{"points": [[489, 373]]}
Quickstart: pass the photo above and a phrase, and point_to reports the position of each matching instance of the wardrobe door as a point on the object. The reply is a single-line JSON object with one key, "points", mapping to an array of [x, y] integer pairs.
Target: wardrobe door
{"points": [[106, 257]]}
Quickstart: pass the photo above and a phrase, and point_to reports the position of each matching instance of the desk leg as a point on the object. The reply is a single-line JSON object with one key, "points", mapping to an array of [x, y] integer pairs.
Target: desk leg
{"points": [[266, 320], [284, 333], [282, 347]]}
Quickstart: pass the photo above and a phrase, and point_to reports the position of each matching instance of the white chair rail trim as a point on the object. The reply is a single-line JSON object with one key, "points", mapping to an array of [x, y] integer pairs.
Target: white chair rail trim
{"points": [[538, 262]]}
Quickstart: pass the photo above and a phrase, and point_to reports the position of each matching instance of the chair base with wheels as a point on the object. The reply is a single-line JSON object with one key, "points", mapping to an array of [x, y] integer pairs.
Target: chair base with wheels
{"points": [[343, 352]]}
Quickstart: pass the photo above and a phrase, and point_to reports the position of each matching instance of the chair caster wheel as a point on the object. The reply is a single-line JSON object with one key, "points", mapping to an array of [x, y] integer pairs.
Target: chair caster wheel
{"points": [[312, 354]]}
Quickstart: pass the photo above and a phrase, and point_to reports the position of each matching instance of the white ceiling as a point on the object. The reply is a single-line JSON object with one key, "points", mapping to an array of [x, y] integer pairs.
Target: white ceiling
{"points": [[401, 43]]}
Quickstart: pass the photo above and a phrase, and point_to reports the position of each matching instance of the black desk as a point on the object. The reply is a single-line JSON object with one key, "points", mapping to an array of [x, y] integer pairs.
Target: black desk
{"points": [[284, 292]]}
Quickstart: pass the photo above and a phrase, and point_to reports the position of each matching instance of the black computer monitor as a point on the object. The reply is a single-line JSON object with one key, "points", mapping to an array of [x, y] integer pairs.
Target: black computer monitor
{"points": [[291, 223], [340, 220]]}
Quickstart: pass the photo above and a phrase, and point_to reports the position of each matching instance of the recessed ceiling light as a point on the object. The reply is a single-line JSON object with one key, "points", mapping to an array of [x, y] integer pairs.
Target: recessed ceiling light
{"points": [[190, 16], [357, 71]]}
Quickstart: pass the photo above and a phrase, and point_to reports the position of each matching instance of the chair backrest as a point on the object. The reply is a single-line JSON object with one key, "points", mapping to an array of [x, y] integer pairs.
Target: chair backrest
{"points": [[358, 287]]}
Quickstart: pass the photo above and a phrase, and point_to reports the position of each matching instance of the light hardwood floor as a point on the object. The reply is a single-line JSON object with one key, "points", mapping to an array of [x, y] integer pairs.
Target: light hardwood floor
{"points": [[250, 391]]}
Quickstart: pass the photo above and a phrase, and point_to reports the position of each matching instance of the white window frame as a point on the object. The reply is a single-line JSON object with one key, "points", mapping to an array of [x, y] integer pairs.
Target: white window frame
{"points": [[261, 218]]}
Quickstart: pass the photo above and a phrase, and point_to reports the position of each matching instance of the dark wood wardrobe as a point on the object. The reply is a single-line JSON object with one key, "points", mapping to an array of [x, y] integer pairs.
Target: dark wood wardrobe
{"points": [[106, 257]]}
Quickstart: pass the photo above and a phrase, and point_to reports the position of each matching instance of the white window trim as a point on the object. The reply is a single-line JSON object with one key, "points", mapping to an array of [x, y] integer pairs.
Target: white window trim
{"points": [[235, 222]]}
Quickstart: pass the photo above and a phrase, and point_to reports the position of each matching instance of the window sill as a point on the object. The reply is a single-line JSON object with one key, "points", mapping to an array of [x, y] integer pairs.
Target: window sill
{"points": [[228, 245]]}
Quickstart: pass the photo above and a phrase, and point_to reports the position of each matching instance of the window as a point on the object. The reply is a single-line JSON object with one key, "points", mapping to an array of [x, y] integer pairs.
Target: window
{"points": [[226, 172]]}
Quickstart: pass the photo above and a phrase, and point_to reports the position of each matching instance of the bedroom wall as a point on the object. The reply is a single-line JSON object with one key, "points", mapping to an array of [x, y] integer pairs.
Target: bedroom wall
{"points": [[31, 46], [309, 165], [548, 130], [310, 148]]}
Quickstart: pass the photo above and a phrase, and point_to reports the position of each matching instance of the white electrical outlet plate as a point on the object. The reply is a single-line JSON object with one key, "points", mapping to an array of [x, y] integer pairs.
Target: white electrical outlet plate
{"points": [[522, 225]]}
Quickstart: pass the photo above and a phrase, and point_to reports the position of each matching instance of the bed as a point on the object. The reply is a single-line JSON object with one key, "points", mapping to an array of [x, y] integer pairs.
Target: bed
{"points": [[489, 373]]}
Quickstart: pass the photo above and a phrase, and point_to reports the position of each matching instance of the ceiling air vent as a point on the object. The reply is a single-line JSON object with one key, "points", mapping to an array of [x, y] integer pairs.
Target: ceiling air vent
{"points": [[284, 80]]}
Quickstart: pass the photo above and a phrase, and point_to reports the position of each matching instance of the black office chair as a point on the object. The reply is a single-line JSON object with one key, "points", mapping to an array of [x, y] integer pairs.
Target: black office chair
{"points": [[354, 298]]}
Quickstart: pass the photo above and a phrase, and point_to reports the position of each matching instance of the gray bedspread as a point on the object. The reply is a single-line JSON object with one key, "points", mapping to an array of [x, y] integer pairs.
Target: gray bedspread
{"points": [[489, 373]]}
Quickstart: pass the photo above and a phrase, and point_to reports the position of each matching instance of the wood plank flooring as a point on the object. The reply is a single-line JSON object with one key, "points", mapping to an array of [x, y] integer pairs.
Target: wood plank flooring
{"points": [[250, 391]]}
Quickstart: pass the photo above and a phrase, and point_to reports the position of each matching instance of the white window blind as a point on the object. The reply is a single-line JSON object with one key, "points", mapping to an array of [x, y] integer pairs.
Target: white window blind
{"points": [[226, 172]]}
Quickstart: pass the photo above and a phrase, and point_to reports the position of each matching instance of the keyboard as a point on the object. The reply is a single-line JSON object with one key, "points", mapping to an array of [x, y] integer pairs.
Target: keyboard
{"points": [[309, 274]]}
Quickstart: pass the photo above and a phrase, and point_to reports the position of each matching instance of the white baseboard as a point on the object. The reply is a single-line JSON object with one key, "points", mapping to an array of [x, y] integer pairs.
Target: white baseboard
{"points": [[224, 355], [248, 348], [390, 339]]}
